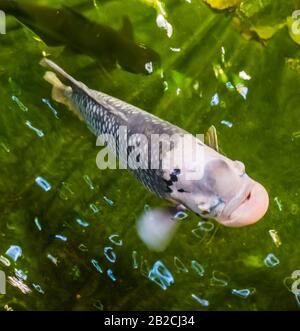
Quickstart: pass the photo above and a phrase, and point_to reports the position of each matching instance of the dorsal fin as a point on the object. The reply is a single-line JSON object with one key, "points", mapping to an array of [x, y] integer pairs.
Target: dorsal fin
{"points": [[127, 29], [211, 138]]}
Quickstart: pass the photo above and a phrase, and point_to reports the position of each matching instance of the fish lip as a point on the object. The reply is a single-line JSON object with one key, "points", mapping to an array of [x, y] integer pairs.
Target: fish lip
{"points": [[259, 195], [232, 205]]}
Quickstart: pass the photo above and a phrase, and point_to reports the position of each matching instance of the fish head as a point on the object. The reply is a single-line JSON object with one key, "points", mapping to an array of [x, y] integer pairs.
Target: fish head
{"points": [[137, 58], [224, 192]]}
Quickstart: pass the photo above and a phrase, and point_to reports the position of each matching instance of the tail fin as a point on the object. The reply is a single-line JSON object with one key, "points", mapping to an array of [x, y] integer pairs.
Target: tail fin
{"points": [[60, 92], [58, 70]]}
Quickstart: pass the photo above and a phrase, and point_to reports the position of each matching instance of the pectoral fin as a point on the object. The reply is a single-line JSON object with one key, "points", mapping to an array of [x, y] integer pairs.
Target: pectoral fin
{"points": [[156, 227], [211, 138]]}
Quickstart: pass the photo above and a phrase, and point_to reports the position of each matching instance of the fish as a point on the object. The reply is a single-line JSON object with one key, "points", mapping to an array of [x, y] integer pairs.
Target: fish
{"points": [[212, 186], [66, 27]]}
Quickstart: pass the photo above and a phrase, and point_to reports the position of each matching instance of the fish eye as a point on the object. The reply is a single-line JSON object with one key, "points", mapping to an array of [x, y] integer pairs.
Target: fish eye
{"points": [[240, 166]]}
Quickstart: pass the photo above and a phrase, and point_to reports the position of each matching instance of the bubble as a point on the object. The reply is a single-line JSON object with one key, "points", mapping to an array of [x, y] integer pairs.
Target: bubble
{"points": [[110, 202], [278, 203], [110, 254], [5, 147], [203, 227], [164, 24], [243, 293], [244, 75], [19, 103], [43, 183], [227, 123], [96, 265], [94, 208], [111, 275], [52, 258], [242, 90], [54, 111], [14, 252], [219, 279], [4, 261], [37, 223], [229, 85], [114, 239], [206, 226], [20, 274], [215, 100], [202, 302], [82, 223], [38, 288], [180, 215], [82, 248], [61, 237], [38, 132], [198, 268], [65, 192], [275, 237], [161, 275], [89, 182], [180, 266], [134, 259], [271, 260]]}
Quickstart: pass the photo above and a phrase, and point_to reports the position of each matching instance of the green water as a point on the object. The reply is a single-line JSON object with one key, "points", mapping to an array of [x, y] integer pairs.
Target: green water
{"points": [[180, 89]]}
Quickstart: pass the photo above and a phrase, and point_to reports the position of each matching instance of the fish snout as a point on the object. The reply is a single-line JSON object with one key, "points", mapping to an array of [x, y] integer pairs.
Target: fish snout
{"points": [[250, 210]]}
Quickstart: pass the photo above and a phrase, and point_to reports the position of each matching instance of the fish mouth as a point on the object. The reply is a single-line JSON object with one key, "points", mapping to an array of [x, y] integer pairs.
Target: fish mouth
{"points": [[247, 208]]}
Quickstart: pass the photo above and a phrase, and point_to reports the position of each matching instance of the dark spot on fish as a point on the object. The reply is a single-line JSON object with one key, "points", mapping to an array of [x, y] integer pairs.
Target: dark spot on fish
{"points": [[182, 190], [173, 178], [174, 175], [169, 190], [138, 158], [168, 182]]}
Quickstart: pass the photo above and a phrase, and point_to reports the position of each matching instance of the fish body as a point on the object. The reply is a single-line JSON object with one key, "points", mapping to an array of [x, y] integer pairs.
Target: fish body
{"points": [[65, 26], [212, 186], [105, 115]]}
